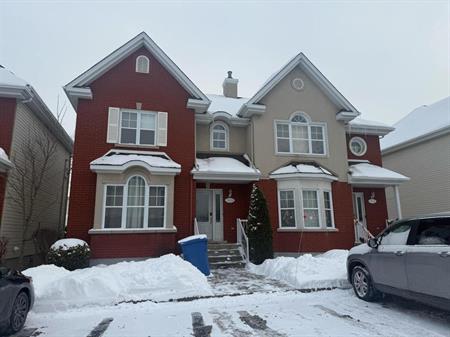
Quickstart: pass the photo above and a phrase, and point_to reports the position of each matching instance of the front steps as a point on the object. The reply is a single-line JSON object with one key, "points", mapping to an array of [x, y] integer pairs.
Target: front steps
{"points": [[225, 255]]}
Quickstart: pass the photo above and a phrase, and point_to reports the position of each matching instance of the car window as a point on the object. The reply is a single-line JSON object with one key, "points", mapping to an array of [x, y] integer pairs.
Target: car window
{"points": [[433, 232], [398, 235]]}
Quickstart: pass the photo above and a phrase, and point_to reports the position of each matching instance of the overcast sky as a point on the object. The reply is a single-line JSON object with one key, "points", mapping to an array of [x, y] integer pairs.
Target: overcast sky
{"points": [[386, 57]]}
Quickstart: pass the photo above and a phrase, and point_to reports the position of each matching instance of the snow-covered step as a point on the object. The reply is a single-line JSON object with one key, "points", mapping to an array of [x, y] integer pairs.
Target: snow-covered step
{"points": [[226, 258], [225, 255], [224, 264]]}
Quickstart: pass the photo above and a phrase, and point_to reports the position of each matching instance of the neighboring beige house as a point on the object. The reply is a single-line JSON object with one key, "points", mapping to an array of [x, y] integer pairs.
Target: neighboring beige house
{"points": [[420, 149], [28, 129]]}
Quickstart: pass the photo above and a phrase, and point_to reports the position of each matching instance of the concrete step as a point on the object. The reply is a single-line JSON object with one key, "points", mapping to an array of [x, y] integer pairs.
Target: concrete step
{"points": [[225, 258], [224, 251], [216, 246], [230, 264]]}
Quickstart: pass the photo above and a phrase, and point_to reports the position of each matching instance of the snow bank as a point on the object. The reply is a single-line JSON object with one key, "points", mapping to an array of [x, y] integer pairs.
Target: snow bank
{"points": [[159, 279], [66, 244], [307, 271]]}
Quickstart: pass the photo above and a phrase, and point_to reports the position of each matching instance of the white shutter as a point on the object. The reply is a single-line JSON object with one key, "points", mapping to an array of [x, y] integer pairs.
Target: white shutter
{"points": [[162, 128], [112, 135]]}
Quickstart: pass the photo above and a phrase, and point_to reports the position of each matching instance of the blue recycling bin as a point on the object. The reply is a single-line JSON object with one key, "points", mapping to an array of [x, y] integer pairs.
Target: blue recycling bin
{"points": [[195, 250]]}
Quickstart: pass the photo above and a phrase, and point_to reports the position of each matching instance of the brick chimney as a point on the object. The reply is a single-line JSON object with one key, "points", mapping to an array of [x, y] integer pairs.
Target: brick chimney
{"points": [[230, 86]]}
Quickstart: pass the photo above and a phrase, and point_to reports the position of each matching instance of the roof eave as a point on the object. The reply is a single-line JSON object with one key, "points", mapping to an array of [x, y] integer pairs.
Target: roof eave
{"points": [[309, 176], [369, 129]]}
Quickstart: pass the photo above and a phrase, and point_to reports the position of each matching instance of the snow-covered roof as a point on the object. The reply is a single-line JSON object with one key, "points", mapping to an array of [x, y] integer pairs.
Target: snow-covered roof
{"points": [[230, 105], [422, 121], [224, 168], [8, 78], [5, 163], [359, 125], [120, 160], [305, 170], [369, 174]]}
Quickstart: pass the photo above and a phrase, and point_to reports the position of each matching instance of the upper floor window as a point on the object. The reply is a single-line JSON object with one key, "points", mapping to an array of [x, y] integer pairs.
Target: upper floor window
{"points": [[134, 205], [142, 64], [300, 135], [138, 127], [358, 146], [219, 136]]}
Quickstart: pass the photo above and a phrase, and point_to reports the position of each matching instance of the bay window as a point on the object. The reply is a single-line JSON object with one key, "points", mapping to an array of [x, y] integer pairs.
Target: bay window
{"points": [[311, 209], [300, 136], [134, 205], [287, 208]]}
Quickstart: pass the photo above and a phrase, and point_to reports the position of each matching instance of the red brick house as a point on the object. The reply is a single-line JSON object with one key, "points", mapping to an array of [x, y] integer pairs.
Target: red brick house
{"points": [[154, 155]]}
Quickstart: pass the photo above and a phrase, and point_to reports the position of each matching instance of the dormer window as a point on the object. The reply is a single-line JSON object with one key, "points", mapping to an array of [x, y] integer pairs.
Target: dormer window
{"points": [[142, 64], [219, 136]]}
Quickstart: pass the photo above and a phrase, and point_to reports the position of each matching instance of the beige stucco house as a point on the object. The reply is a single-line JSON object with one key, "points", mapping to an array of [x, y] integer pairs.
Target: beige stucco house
{"points": [[420, 149], [34, 156]]}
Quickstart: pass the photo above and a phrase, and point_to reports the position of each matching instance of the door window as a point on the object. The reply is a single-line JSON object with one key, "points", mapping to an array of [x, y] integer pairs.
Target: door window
{"points": [[433, 232], [202, 206], [398, 235]]}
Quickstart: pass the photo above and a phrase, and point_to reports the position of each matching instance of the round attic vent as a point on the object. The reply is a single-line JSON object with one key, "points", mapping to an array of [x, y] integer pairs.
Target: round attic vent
{"points": [[298, 84]]}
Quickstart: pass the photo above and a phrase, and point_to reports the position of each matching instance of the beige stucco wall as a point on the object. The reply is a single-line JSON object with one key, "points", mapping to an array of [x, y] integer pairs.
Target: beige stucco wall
{"points": [[47, 211], [122, 178], [237, 139], [428, 166], [280, 103]]}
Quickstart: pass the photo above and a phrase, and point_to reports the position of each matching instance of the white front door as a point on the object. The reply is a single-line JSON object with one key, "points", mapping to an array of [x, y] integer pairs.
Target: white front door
{"points": [[209, 213], [359, 213]]}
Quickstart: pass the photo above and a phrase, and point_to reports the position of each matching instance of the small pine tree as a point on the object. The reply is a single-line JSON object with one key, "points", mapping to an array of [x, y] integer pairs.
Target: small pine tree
{"points": [[259, 229]]}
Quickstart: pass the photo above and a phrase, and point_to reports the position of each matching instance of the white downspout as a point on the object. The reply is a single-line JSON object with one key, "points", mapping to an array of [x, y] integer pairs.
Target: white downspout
{"points": [[397, 201]]}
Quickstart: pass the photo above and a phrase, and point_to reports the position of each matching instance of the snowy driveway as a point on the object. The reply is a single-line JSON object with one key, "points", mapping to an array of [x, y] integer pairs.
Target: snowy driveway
{"points": [[290, 313]]}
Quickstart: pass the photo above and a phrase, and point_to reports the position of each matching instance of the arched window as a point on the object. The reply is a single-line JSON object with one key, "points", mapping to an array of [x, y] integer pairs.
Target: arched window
{"points": [[135, 202], [219, 136], [142, 64], [299, 135]]}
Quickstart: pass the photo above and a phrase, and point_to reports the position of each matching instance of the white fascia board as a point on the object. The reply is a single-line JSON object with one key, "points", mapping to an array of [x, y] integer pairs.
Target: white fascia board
{"points": [[368, 181], [12, 91], [141, 40], [122, 168], [206, 119], [416, 140], [347, 116], [369, 129], [308, 176], [248, 110], [225, 176], [200, 106]]}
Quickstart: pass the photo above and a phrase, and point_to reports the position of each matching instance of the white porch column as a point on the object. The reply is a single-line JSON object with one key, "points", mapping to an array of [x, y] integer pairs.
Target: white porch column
{"points": [[397, 201]]}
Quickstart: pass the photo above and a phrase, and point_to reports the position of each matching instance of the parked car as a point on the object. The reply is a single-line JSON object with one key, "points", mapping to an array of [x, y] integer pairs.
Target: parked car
{"points": [[410, 258], [16, 299]]}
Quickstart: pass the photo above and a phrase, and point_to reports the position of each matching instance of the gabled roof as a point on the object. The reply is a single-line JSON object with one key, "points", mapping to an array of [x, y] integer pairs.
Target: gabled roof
{"points": [[79, 87], [302, 61], [419, 125]]}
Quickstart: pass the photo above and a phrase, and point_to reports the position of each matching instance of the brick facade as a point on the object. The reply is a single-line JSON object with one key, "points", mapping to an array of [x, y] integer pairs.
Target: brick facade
{"points": [[123, 87], [373, 153]]}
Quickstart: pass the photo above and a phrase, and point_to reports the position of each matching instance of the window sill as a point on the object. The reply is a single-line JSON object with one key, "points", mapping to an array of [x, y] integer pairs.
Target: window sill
{"points": [[288, 154], [318, 230], [131, 231], [136, 146]]}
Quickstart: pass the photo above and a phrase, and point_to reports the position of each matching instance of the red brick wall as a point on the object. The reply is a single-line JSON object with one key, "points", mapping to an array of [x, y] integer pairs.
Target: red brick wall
{"points": [[238, 209], [7, 116], [123, 87], [376, 214], [295, 242], [373, 153]]}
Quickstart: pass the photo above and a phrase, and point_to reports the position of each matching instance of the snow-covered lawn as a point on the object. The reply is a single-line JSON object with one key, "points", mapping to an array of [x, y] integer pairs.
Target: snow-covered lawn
{"points": [[306, 271], [324, 313], [159, 279]]}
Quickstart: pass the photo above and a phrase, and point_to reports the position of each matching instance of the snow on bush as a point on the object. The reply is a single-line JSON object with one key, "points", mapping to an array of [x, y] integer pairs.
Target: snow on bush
{"points": [[307, 271], [164, 278], [69, 253]]}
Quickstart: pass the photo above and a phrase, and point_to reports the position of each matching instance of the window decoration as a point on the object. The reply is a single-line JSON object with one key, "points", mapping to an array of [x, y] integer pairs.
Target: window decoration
{"points": [[142, 64], [298, 84], [300, 136], [219, 136], [358, 146], [287, 208], [135, 205]]}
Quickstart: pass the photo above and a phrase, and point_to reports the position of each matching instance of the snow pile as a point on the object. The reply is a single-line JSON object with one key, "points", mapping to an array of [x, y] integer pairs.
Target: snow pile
{"points": [[192, 238], [65, 244], [223, 165], [120, 159], [302, 168], [229, 105], [159, 279], [370, 171], [9, 79], [4, 157], [307, 271]]}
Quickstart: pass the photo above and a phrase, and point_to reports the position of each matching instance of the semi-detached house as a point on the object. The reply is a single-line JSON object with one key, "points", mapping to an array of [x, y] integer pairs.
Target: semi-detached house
{"points": [[155, 158]]}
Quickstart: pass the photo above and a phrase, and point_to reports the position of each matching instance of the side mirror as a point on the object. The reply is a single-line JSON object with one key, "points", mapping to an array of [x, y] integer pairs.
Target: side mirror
{"points": [[372, 243]]}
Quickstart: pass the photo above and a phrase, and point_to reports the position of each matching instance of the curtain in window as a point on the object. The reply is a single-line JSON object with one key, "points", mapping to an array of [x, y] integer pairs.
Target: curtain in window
{"points": [[135, 203]]}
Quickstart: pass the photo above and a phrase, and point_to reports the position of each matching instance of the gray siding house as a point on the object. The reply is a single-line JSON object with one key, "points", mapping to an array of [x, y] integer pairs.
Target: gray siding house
{"points": [[420, 149]]}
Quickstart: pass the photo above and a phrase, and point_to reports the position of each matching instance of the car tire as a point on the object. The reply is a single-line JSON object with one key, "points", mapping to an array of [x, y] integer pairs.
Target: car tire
{"points": [[19, 312], [363, 286]]}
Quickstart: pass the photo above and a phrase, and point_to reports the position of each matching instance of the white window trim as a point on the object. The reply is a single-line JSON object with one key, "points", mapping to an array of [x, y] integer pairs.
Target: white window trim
{"points": [[297, 187], [123, 226], [362, 142], [319, 211], [227, 137], [310, 124], [147, 69], [279, 208], [138, 127]]}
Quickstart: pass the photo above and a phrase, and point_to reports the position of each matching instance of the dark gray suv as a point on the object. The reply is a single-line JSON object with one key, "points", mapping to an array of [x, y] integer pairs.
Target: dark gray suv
{"points": [[411, 258]]}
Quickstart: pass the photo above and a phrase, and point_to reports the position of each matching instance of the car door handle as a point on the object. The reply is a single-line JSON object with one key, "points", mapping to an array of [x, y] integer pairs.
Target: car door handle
{"points": [[444, 254], [400, 252]]}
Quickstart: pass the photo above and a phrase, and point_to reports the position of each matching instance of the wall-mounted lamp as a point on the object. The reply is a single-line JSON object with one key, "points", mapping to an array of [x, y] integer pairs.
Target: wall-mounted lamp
{"points": [[230, 199], [372, 199]]}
